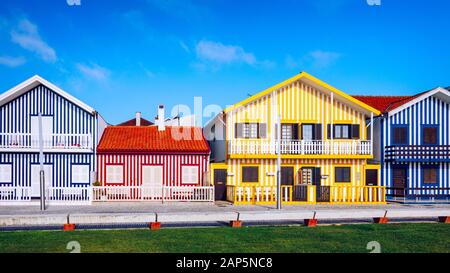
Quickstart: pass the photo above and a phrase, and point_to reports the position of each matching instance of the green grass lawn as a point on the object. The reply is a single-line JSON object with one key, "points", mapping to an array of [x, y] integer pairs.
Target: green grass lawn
{"points": [[346, 238]]}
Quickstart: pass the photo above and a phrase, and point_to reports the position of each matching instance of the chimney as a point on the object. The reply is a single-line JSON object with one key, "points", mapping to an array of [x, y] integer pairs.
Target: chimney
{"points": [[138, 118], [161, 125]]}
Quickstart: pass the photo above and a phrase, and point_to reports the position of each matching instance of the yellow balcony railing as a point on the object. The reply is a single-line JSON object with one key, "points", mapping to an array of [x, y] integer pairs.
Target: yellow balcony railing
{"points": [[307, 194]]}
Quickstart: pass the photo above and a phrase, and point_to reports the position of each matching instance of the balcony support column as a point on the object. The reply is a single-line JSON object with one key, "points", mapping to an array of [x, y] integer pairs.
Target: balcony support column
{"points": [[371, 133], [331, 124]]}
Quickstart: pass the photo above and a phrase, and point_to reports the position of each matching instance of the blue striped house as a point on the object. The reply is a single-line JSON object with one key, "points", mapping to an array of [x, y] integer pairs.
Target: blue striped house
{"points": [[70, 134], [413, 142]]}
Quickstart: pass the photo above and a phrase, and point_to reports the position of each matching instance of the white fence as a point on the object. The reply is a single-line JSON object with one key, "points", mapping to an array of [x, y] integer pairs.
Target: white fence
{"points": [[15, 194], [53, 194], [52, 141], [75, 195], [140, 193], [304, 147]]}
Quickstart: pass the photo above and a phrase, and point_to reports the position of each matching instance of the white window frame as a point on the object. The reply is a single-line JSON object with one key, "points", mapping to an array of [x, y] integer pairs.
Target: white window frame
{"points": [[118, 173], [190, 174], [80, 174], [6, 173]]}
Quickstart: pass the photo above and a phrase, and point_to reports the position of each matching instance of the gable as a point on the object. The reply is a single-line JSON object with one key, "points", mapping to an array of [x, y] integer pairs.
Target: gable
{"points": [[35, 81], [315, 83], [439, 93]]}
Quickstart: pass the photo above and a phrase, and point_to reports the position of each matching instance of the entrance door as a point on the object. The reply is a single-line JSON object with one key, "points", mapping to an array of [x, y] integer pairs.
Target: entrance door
{"points": [[371, 177], [399, 175], [220, 184], [287, 176], [322, 192], [36, 182], [47, 131], [152, 180]]}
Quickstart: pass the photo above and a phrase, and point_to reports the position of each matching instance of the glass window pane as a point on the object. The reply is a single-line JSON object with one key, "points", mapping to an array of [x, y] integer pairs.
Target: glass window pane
{"points": [[345, 131], [307, 131]]}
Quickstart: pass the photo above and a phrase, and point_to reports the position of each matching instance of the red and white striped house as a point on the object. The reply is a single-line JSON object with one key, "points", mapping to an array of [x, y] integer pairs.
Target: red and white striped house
{"points": [[153, 163]]}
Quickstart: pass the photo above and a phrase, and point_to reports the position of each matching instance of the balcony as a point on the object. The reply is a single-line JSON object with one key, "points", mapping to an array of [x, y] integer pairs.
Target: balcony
{"points": [[315, 148], [417, 153], [307, 194], [17, 142]]}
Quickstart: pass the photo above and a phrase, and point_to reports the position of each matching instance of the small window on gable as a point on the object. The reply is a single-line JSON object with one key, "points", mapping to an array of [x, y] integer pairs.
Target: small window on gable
{"points": [[250, 130], [430, 135], [5, 173], [400, 135]]}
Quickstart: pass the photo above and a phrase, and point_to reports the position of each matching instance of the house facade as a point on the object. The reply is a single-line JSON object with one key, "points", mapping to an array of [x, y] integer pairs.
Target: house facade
{"points": [[70, 133], [414, 145], [153, 163], [325, 145]]}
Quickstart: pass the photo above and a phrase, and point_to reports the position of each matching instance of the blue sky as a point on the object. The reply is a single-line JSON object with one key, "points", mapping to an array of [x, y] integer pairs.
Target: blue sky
{"points": [[126, 56]]}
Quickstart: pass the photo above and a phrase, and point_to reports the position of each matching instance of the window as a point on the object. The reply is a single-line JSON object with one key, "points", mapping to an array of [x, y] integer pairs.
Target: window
{"points": [[189, 174], [311, 131], [400, 135], [342, 174], [80, 174], [341, 131], [6, 173], [114, 174], [250, 130], [344, 131], [250, 174], [430, 135], [430, 174], [307, 132], [286, 131]]}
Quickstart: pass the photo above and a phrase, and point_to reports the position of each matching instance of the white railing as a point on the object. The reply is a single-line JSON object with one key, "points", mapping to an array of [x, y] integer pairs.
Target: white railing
{"points": [[52, 194], [50, 141], [69, 194], [8, 193], [301, 147], [140, 193]]}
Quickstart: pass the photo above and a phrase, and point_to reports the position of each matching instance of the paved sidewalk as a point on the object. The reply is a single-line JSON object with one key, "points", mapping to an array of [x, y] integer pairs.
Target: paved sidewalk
{"points": [[149, 207]]}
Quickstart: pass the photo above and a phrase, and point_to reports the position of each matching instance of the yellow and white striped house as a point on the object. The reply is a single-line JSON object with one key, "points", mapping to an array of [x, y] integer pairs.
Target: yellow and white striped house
{"points": [[325, 145]]}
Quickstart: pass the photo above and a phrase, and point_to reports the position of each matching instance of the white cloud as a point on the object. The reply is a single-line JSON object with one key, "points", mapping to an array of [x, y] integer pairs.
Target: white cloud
{"points": [[219, 53], [12, 61], [26, 35], [94, 71], [322, 59]]}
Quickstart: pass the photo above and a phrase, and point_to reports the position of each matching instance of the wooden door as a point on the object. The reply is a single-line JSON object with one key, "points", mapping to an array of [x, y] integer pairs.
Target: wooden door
{"points": [[287, 176], [399, 175], [220, 184], [371, 177]]}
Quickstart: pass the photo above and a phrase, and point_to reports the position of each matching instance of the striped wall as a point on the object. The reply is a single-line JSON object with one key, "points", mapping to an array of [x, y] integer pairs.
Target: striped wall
{"points": [[297, 102], [68, 118], [268, 166], [133, 166], [430, 111], [61, 167], [15, 116]]}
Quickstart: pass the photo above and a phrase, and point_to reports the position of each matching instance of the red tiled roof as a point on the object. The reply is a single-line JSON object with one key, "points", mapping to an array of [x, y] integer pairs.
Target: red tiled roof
{"points": [[174, 139], [132, 122], [386, 103]]}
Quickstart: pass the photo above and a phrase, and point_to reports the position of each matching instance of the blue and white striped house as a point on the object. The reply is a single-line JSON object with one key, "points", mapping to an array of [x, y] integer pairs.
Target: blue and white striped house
{"points": [[413, 142], [70, 134]]}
